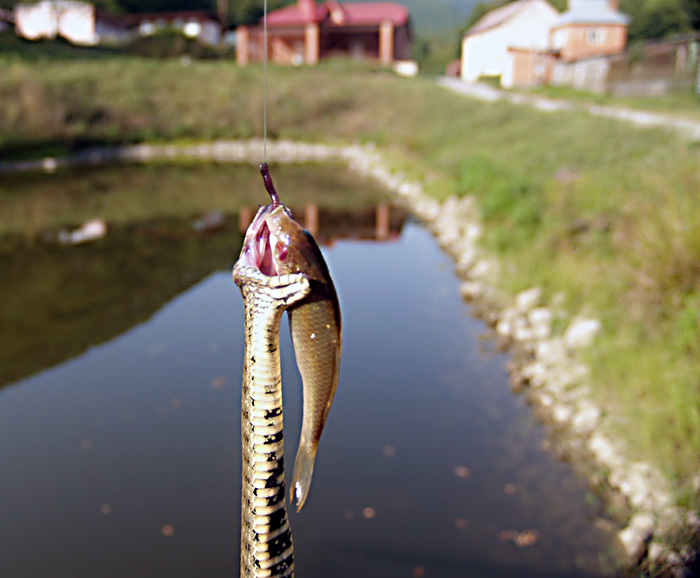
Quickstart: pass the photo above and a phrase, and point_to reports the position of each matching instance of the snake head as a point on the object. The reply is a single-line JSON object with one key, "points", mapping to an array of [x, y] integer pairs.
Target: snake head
{"points": [[267, 240]]}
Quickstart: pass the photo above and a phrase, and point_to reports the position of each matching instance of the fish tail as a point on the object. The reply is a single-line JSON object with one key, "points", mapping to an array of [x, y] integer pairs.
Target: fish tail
{"points": [[303, 470]]}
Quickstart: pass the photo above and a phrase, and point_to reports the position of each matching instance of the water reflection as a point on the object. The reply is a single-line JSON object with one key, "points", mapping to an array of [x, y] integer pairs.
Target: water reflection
{"points": [[61, 299], [124, 459]]}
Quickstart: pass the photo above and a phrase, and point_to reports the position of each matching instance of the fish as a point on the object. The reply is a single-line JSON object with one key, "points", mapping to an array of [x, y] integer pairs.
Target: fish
{"points": [[279, 246]]}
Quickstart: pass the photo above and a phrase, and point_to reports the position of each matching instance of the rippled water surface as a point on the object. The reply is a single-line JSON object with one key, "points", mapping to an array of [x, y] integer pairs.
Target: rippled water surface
{"points": [[120, 405]]}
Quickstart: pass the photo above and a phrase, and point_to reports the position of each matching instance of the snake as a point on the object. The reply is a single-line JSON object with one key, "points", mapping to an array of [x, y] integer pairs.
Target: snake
{"points": [[280, 269]]}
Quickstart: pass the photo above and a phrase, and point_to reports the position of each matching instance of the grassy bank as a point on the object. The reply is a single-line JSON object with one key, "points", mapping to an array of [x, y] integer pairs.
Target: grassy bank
{"points": [[604, 214]]}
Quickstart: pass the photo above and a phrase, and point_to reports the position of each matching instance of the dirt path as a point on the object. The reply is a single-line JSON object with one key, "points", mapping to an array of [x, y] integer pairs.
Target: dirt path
{"points": [[488, 93]]}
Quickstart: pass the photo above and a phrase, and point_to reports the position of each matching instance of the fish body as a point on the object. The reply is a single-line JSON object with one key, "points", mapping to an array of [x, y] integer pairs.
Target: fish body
{"points": [[315, 325], [278, 246]]}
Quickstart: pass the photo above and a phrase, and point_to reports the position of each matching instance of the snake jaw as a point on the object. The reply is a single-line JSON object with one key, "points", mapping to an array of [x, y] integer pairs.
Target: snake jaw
{"points": [[265, 247]]}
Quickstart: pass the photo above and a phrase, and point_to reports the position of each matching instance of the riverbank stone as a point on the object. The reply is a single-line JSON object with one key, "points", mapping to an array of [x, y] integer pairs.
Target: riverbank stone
{"points": [[636, 536], [546, 367], [581, 332]]}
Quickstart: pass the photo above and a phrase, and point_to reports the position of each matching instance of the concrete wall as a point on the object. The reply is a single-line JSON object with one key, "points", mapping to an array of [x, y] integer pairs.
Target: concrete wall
{"points": [[582, 41], [590, 75], [486, 53]]}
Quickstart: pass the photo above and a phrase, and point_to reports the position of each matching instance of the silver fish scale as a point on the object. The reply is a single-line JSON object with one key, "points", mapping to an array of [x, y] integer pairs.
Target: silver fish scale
{"points": [[266, 538]]}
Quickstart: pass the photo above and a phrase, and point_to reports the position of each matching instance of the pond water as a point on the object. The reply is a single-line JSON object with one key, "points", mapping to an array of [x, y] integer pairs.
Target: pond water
{"points": [[120, 398]]}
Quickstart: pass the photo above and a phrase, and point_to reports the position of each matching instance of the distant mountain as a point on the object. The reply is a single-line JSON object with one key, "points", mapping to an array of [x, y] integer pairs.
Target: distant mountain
{"points": [[432, 17]]}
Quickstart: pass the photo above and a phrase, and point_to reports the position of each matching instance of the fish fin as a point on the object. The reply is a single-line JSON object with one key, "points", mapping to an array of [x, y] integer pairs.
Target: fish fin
{"points": [[303, 471]]}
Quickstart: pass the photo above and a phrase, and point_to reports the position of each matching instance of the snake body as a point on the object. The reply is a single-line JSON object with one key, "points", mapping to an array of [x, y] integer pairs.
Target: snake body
{"points": [[266, 538], [281, 267]]}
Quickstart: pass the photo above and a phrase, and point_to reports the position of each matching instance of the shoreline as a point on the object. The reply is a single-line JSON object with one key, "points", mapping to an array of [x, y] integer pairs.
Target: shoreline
{"points": [[545, 367]]}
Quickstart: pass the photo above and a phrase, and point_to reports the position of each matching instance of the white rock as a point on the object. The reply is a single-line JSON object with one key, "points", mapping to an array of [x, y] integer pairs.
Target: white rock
{"points": [[561, 413], [484, 269], [535, 372], [586, 417], [658, 552], [504, 327], [472, 232], [522, 330], [552, 352], [561, 378], [471, 289], [466, 259], [603, 450], [581, 332], [540, 320], [528, 299], [542, 399], [636, 535]]}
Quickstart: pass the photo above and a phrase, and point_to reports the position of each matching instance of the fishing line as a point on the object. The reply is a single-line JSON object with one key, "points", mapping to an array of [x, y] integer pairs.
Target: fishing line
{"points": [[264, 169], [265, 57]]}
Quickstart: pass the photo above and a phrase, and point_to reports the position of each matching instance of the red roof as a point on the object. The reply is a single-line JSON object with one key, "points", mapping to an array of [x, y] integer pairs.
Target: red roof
{"points": [[354, 14]]}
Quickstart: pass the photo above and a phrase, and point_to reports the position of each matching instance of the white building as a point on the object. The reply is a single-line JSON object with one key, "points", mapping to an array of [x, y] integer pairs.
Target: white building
{"points": [[488, 47], [78, 22]]}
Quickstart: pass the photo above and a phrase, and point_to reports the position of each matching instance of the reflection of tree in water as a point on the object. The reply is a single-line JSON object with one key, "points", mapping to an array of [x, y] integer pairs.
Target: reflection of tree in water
{"points": [[62, 300]]}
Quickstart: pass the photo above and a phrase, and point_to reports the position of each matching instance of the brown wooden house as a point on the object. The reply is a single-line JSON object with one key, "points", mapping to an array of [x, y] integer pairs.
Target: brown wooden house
{"points": [[306, 32]]}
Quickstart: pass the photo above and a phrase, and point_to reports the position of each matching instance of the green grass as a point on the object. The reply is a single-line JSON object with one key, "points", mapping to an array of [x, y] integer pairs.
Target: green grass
{"points": [[601, 212]]}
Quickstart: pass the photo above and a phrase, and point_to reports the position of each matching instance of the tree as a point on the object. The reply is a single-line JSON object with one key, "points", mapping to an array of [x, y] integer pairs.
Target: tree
{"points": [[250, 11], [656, 18], [692, 9]]}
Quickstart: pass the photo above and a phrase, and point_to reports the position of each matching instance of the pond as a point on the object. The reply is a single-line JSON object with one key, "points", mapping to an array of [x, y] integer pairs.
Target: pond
{"points": [[120, 400]]}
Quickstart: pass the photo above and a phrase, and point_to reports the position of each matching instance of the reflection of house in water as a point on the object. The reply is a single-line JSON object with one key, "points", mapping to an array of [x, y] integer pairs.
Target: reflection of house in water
{"points": [[379, 223], [80, 298], [305, 33]]}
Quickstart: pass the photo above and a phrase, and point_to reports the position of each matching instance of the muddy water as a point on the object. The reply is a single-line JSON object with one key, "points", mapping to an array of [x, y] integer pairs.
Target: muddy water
{"points": [[119, 406]]}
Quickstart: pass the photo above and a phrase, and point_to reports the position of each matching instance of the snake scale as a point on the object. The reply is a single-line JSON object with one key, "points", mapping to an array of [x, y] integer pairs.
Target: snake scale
{"points": [[281, 268]]}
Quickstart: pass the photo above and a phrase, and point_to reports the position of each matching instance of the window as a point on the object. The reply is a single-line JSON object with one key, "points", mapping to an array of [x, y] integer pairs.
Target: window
{"points": [[595, 36]]}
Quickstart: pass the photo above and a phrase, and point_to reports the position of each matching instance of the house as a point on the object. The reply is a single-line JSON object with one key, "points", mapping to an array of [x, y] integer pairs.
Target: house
{"points": [[585, 40], [509, 42], [197, 24], [78, 22], [589, 28], [528, 42], [306, 32]]}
